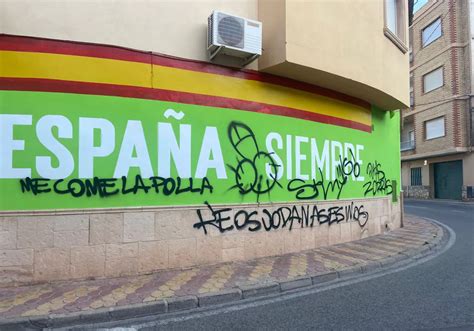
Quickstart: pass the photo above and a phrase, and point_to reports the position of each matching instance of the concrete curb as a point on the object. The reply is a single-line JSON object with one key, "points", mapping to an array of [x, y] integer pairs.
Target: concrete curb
{"points": [[295, 283], [324, 278], [177, 304], [211, 299], [181, 303], [259, 289]]}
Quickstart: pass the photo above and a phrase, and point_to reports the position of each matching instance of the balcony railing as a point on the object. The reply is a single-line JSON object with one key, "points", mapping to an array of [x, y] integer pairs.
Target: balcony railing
{"points": [[407, 145]]}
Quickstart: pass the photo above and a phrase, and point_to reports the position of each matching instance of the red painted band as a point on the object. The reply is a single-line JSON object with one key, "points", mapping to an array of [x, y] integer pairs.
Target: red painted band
{"points": [[41, 45], [50, 85]]}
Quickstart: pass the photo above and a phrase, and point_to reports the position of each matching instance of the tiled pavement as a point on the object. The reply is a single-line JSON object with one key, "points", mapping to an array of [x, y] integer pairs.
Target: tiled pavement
{"points": [[86, 296]]}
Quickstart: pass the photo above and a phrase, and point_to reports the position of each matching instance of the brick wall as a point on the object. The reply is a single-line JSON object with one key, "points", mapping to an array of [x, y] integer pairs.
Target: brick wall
{"points": [[42, 247], [450, 51], [416, 192]]}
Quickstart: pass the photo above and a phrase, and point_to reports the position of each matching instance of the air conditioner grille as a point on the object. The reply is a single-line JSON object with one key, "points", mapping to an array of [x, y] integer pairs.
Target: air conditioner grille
{"points": [[209, 31], [231, 31]]}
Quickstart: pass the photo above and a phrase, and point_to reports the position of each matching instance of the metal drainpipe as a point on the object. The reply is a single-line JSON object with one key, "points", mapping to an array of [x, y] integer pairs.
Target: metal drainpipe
{"points": [[402, 210], [471, 135]]}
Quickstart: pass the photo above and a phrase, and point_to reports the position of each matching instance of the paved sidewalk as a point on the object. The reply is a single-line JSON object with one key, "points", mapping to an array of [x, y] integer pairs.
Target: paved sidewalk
{"points": [[182, 289]]}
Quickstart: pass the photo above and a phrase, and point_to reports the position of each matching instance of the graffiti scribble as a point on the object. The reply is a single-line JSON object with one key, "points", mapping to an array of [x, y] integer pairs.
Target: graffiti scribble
{"points": [[104, 187], [304, 216], [250, 174], [306, 190], [378, 183]]}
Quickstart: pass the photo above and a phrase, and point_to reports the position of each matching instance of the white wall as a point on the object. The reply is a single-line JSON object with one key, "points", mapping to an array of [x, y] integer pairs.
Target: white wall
{"points": [[174, 27]]}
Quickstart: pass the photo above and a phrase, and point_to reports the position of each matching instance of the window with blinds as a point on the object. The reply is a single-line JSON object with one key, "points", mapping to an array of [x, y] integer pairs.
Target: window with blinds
{"points": [[433, 80], [434, 128]]}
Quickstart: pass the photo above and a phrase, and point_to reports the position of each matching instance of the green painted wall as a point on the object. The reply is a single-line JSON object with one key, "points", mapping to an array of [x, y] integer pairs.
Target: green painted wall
{"points": [[373, 167]]}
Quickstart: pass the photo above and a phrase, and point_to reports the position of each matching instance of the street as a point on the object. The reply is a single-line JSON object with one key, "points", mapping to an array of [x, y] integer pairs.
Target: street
{"points": [[437, 294], [236, 165]]}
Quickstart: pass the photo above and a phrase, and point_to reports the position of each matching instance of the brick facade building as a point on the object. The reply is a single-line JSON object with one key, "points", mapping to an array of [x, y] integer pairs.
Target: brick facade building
{"points": [[436, 138]]}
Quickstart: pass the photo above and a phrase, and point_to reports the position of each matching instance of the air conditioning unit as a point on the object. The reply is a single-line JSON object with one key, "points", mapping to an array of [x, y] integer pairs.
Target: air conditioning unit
{"points": [[234, 36]]}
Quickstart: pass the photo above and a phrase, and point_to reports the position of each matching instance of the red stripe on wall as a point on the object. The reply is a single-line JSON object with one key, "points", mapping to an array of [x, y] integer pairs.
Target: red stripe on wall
{"points": [[49, 85], [40, 45], [32, 44]]}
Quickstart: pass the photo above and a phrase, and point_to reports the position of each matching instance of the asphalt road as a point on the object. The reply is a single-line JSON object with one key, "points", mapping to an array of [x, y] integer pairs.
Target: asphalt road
{"points": [[437, 294]]}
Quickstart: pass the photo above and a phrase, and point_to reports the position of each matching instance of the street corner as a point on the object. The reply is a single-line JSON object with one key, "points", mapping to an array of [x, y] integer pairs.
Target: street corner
{"points": [[171, 291]]}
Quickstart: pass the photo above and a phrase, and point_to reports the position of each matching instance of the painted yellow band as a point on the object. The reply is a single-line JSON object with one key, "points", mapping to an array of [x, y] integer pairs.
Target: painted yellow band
{"points": [[98, 70]]}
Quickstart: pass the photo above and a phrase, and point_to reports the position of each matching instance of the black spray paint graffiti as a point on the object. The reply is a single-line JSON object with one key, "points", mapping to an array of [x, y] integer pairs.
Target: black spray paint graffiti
{"points": [[251, 175], [303, 216], [378, 183], [105, 187], [306, 190], [249, 172]]}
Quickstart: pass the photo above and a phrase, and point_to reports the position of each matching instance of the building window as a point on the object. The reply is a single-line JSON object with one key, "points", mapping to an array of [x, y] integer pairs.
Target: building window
{"points": [[434, 128], [431, 32], [416, 176], [395, 22], [391, 13], [433, 80], [412, 98], [418, 5], [409, 142]]}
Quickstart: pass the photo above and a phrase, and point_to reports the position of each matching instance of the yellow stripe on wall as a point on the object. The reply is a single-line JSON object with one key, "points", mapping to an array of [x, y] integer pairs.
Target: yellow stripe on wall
{"points": [[252, 90], [74, 68], [108, 71]]}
